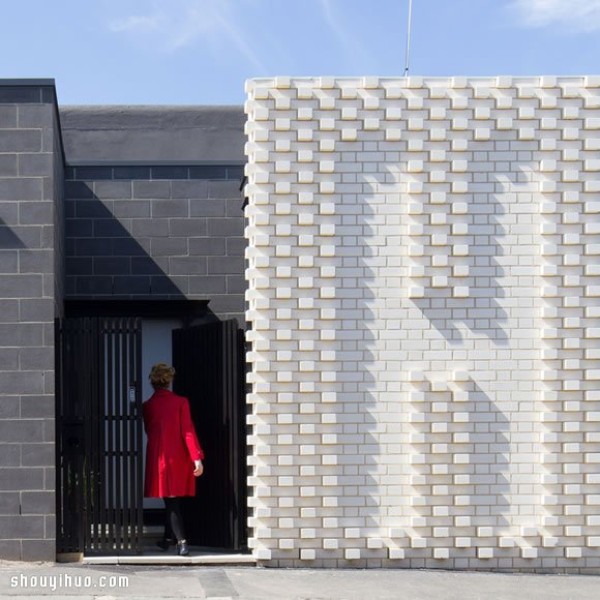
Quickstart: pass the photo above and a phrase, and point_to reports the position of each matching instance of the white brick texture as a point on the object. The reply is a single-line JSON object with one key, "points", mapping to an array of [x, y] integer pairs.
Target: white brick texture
{"points": [[424, 301]]}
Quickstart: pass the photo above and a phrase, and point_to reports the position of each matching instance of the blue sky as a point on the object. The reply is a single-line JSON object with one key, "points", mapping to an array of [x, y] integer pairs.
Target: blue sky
{"points": [[201, 51]]}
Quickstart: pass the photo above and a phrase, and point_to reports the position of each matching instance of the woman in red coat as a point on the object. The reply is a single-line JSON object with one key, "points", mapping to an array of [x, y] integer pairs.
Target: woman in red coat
{"points": [[173, 454]]}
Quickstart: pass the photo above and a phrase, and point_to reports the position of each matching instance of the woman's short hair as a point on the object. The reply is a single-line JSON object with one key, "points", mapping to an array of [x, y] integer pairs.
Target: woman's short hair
{"points": [[161, 375]]}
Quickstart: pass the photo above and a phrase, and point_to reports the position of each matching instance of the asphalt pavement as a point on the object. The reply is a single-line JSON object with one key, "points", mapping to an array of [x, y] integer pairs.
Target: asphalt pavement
{"points": [[111, 582]]}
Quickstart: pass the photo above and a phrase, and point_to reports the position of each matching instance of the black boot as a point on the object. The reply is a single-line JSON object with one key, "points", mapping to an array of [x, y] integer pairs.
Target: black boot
{"points": [[182, 548], [165, 544]]}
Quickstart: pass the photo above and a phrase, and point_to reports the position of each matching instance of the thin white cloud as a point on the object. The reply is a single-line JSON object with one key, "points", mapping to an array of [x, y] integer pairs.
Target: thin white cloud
{"points": [[573, 15], [143, 24], [242, 44], [176, 24], [351, 46]]}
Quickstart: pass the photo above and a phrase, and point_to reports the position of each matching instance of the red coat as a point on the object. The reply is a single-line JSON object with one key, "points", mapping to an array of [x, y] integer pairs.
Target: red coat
{"points": [[172, 446]]}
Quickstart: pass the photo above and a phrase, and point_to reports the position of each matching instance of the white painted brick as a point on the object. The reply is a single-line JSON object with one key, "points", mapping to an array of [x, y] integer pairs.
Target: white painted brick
{"points": [[460, 124], [327, 145], [393, 134], [527, 133], [437, 134], [393, 113], [349, 134], [396, 553], [482, 134], [371, 124], [529, 552], [504, 123], [437, 113], [461, 291]]}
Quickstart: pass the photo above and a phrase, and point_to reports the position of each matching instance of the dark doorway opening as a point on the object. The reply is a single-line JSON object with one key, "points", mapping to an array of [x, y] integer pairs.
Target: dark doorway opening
{"points": [[210, 372], [100, 354]]}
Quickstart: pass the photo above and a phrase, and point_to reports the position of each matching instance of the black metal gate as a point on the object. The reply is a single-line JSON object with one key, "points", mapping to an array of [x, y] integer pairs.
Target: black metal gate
{"points": [[99, 488], [210, 363]]}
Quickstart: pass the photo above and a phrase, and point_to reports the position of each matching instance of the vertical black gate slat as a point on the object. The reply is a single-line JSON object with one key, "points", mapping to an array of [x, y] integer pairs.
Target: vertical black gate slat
{"points": [[130, 443], [101, 542], [131, 436], [88, 356], [138, 501], [106, 533], [97, 425], [99, 436], [117, 422], [207, 359], [223, 506]]}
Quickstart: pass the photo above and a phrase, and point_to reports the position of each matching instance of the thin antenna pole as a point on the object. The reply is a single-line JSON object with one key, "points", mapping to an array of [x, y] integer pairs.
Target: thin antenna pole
{"points": [[407, 64]]}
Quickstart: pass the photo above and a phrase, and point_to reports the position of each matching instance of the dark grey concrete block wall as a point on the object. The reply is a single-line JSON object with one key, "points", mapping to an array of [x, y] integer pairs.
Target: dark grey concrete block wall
{"points": [[30, 296], [156, 233], [153, 206]]}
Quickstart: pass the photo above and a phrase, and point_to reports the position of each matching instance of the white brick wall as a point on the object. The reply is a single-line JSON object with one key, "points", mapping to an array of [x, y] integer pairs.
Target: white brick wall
{"points": [[424, 294]]}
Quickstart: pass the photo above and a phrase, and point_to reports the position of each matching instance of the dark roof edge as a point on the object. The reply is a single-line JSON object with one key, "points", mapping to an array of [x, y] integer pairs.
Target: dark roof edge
{"points": [[90, 107], [153, 135], [154, 163], [27, 82]]}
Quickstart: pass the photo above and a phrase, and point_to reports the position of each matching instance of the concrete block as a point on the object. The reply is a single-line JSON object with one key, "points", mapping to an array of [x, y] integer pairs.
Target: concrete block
{"points": [[21, 140], [108, 190], [38, 550], [196, 188], [21, 527], [8, 164], [21, 188], [8, 116], [38, 503], [38, 164]]}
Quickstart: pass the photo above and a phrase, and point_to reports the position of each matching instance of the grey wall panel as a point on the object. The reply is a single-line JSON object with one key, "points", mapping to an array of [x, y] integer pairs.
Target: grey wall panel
{"points": [[182, 134], [31, 284]]}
